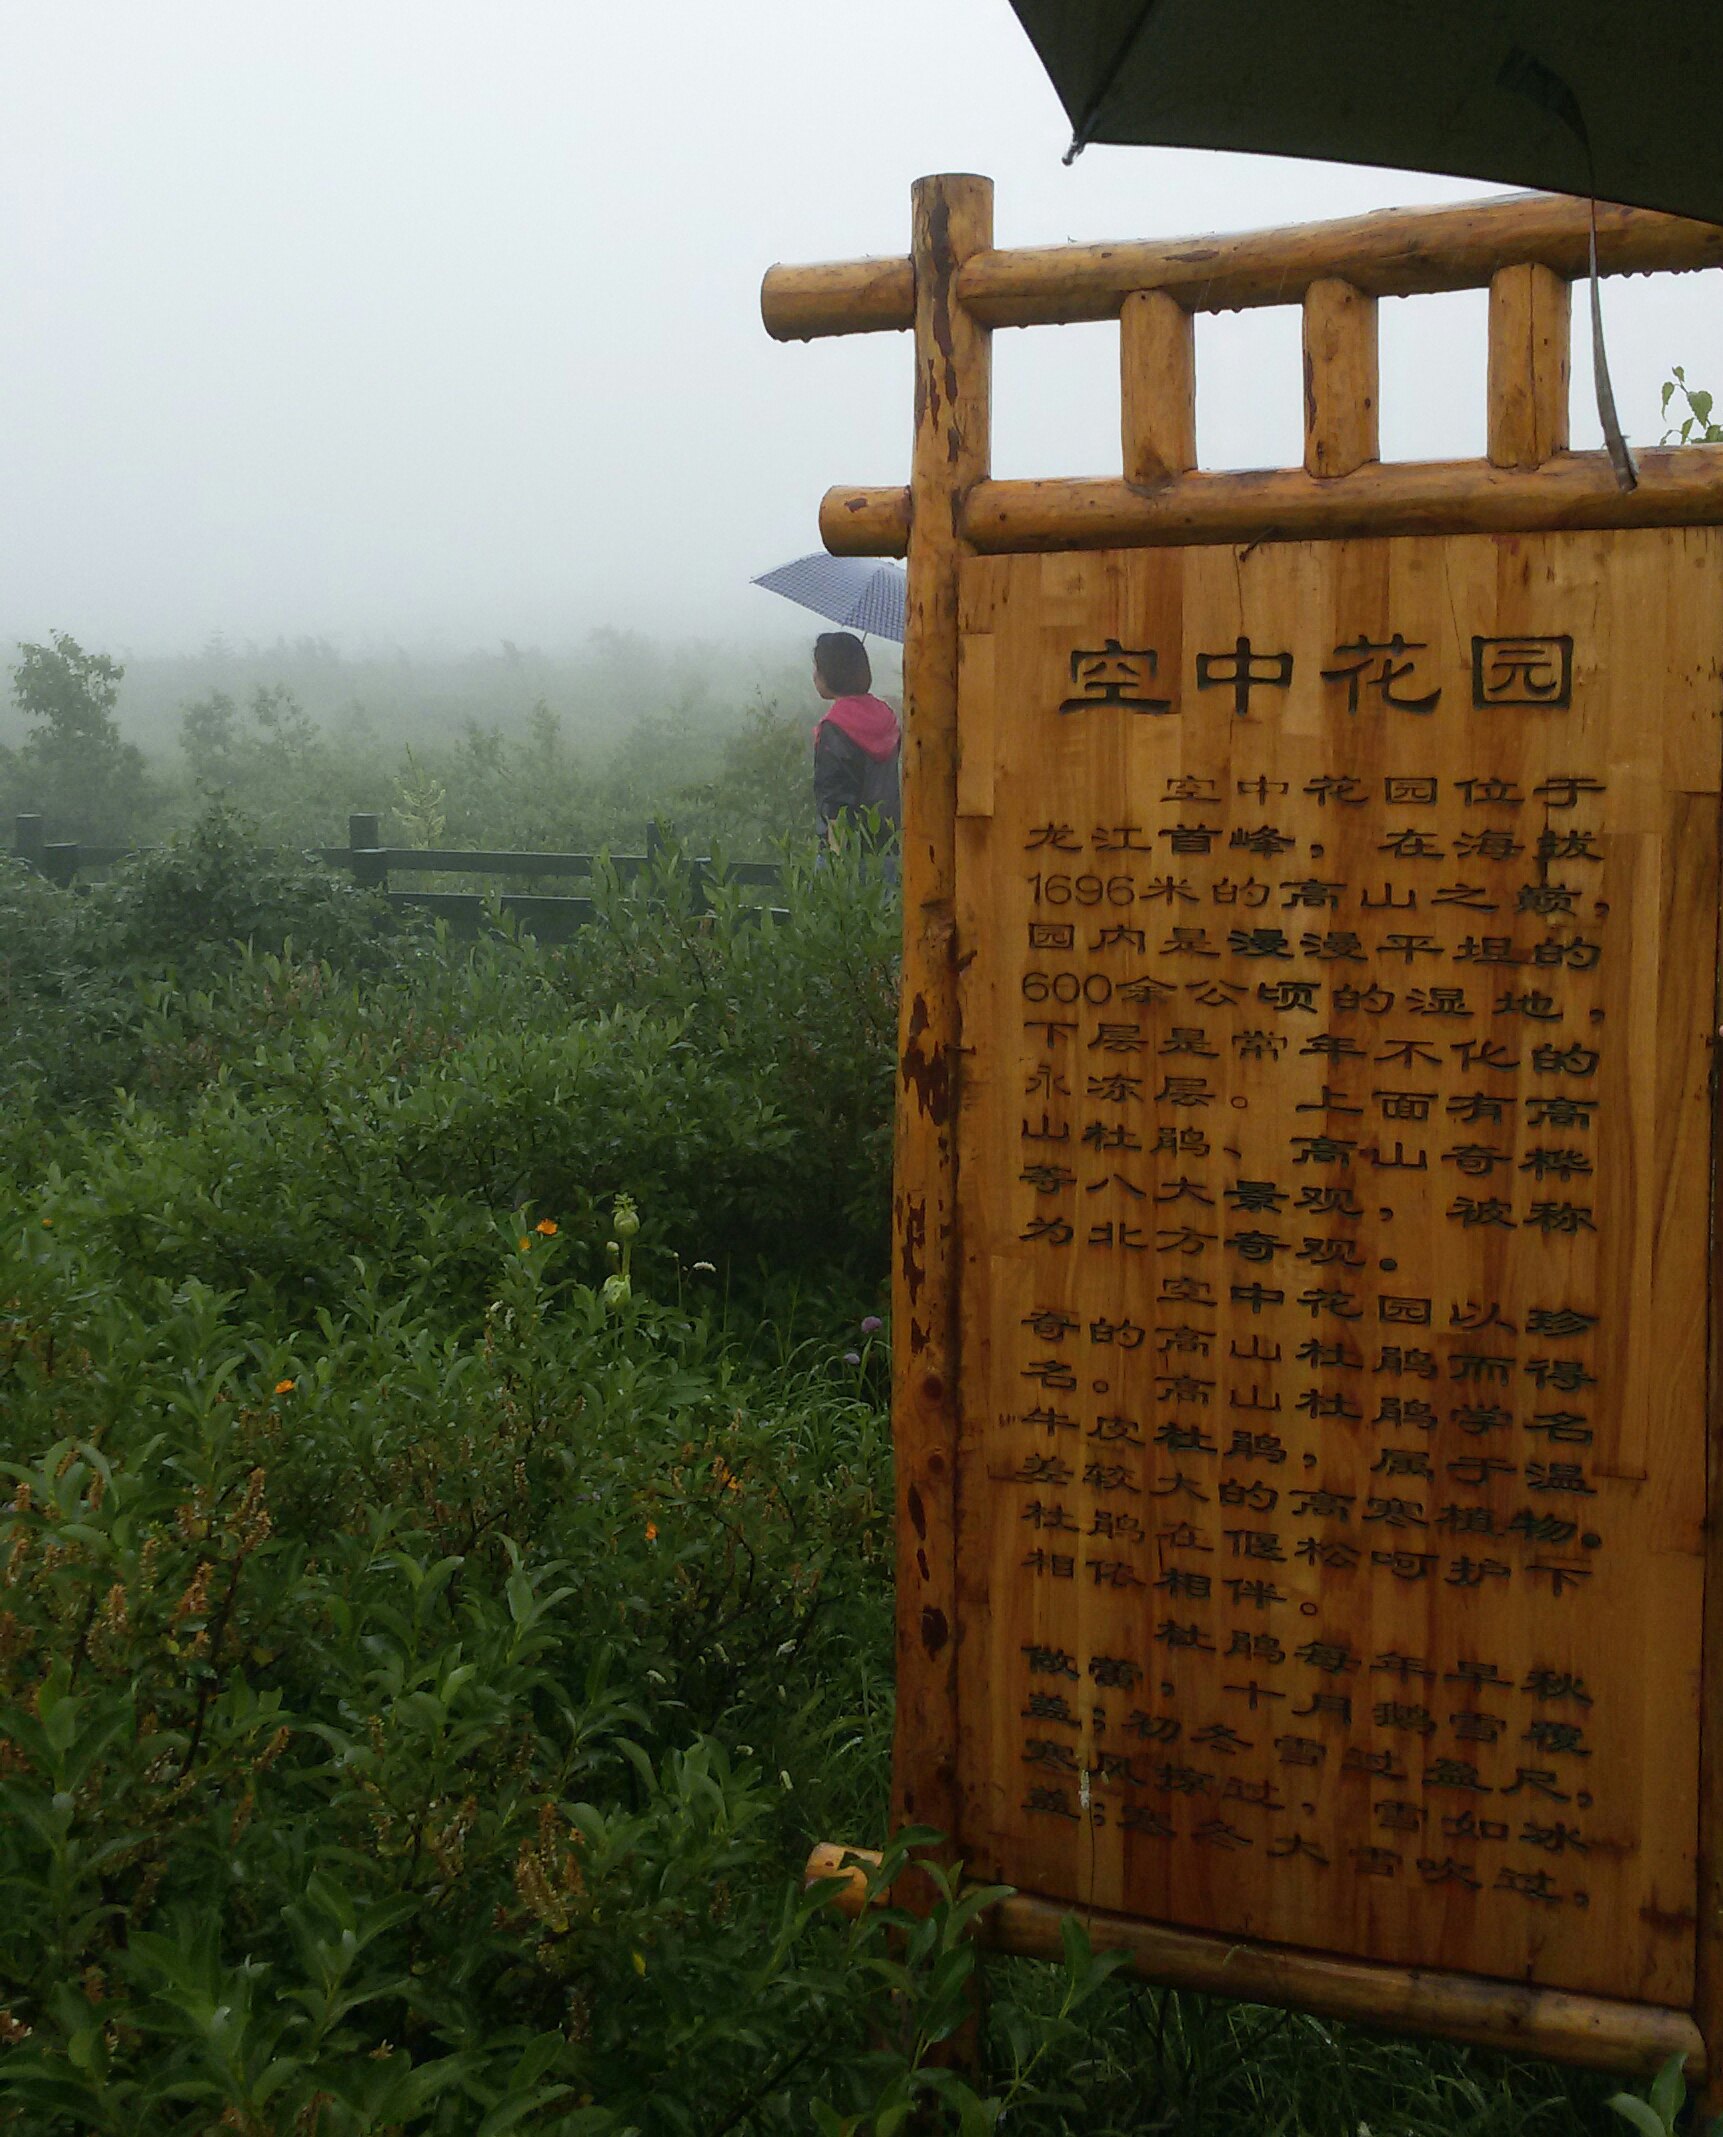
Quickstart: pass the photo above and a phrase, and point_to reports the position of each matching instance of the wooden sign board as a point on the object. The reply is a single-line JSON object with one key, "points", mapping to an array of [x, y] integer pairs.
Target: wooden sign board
{"points": [[1304, 1405], [1341, 927]]}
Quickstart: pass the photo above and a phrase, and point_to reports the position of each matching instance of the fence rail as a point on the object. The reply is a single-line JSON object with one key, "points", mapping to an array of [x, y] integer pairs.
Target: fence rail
{"points": [[553, 917]]}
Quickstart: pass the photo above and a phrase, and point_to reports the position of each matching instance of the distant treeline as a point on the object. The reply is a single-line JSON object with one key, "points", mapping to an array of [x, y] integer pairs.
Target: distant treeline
{"points": [[514, 748]]}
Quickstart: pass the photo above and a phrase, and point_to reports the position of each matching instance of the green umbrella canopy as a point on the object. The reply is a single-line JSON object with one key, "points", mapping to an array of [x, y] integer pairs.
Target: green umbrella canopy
{"points": [[1621, 98]]}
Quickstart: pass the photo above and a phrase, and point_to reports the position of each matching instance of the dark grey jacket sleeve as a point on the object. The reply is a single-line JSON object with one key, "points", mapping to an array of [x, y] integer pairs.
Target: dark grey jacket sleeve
{"points": [[837, 784]]}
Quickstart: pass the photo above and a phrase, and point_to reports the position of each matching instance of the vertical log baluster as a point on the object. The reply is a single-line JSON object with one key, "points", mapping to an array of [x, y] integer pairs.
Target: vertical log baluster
{"points": [[1340, 379], [953, 221], [1530, 322], [1157, 387]]}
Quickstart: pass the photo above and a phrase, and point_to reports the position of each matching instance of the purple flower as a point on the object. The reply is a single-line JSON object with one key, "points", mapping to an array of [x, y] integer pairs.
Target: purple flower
{"points": [[852, 1357], [871, 1325]]}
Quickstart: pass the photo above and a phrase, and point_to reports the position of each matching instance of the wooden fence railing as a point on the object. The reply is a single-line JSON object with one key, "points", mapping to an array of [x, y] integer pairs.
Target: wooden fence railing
{"points": [[1525, 250], [551, 918]]}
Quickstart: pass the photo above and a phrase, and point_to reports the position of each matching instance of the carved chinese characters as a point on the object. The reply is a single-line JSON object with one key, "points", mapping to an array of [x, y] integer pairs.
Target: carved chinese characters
{"points": [[1339, 952]]}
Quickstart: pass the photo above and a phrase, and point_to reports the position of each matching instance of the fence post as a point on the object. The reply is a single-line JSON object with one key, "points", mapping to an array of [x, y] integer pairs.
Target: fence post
{"points": [[29, 838], [364, 837]]}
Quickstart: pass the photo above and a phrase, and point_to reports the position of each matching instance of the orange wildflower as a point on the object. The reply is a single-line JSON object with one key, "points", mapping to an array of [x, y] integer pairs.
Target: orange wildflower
{"points": [[285, 1387], [546, 1227]]}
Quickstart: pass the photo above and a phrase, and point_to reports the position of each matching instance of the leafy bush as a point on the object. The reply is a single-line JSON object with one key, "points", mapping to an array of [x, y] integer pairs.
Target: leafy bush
{"points": [[187, 906], [398, 1718], [310, 1080], [81, 970]]}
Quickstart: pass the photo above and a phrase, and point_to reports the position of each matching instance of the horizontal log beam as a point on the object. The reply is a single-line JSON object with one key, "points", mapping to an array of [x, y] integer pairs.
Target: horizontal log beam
{"points": [[1594, 2032], [468, 862], [1678, 484], [840, 297], [1682, 485], [866, 523], [1399, 252]]}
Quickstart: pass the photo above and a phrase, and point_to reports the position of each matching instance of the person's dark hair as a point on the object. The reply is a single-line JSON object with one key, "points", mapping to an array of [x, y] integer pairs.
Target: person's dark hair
{"points": [[842, 660]]}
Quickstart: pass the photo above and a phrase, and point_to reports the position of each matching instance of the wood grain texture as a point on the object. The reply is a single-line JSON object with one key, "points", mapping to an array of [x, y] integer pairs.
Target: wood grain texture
{"points": [[1401, 252], [1307, 1698], [1680, 486], [952, 218], [1530, 335], [1157, 387], [1341, 386], [839, 297]]}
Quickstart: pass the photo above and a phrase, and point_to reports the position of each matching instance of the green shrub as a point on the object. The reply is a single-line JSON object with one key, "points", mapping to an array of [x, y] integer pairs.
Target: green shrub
{"points": [[188, 906], [384, 1714]]}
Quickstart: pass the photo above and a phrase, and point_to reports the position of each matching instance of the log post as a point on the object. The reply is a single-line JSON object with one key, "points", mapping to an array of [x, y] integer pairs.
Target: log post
{"points": [[953, 221], [1708, 1976], [29, 840], [364, 837], [1340, 378], [1157, 387], [1530, 334]]}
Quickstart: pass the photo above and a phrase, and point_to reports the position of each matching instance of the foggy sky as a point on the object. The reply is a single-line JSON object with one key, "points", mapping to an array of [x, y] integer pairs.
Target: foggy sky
{"points": [[436, 322]]}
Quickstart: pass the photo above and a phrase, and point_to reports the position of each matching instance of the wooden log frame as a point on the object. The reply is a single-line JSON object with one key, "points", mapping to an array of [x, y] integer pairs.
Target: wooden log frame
{"points": [[1524, 249], [953, 289]]}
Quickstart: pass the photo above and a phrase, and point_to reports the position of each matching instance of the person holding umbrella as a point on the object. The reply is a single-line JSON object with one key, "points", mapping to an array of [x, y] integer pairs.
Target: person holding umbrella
{"points": [[858, 740], [856, 748]]}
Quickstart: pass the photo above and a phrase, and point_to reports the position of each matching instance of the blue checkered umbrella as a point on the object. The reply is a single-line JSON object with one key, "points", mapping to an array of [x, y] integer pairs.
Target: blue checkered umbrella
{"points": [[856, 593]]}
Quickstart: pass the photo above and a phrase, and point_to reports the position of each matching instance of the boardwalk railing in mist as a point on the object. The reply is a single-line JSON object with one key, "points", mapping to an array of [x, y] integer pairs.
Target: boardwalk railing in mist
{"points": [[550, 918]]}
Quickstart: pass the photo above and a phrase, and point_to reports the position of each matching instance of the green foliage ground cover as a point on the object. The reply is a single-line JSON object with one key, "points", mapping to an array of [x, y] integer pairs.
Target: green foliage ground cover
{"points": [[422, 1673]]}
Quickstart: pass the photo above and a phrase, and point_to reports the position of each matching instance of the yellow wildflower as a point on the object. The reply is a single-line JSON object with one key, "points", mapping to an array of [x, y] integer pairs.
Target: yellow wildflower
{"points": [[546, 1227], [285, 1387]]}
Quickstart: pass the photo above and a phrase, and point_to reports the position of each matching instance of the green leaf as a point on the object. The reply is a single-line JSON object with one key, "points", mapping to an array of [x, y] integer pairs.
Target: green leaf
{"points": [[508, 2113], [1669, 2090], [1636, 2112]]}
